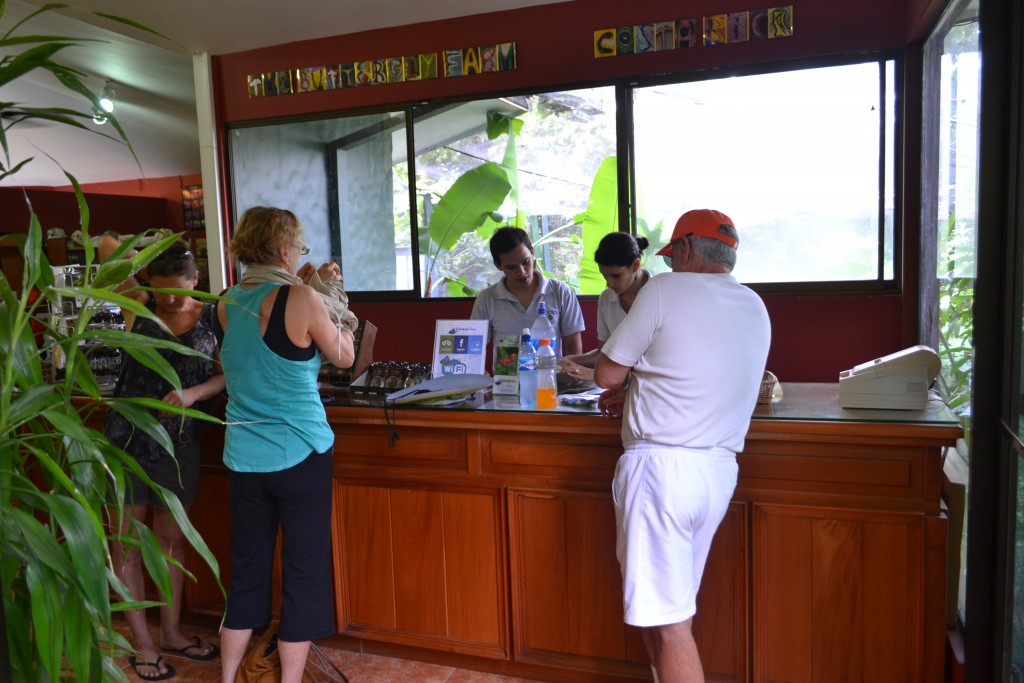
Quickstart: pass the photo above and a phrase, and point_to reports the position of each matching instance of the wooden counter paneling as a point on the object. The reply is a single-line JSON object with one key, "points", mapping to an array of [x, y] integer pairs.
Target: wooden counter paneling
{"points": [[486, 539], [421, 567]]}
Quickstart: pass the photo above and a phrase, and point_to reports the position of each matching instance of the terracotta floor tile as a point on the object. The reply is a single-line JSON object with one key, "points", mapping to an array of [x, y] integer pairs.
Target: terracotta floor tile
{"points": [[468, 676], [341, 659], [360, 668], [377, 669]]}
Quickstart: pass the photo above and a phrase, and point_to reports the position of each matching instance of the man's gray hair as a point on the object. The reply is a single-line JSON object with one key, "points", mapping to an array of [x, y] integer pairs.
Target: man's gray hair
{"points": [[713, 251]]}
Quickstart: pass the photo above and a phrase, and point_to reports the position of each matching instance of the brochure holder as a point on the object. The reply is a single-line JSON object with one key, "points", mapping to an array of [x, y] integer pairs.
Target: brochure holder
{"points": [[459, 347]]}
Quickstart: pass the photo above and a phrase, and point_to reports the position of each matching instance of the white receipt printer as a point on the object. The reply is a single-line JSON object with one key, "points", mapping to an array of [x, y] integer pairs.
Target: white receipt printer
{"points": [[900, 380]]}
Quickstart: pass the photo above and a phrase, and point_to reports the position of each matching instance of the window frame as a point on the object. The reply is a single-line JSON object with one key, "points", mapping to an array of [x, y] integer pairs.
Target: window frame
{"points": [[625, 156], [879, 285]]}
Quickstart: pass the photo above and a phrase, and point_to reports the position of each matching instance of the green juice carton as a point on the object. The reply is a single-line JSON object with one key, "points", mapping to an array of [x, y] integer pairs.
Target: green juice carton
{"points": [[506, 365]]}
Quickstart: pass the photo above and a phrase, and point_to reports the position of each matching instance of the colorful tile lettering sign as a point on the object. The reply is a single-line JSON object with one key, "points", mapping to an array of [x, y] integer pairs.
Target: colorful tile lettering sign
{"points": [[714, 29], [384, 70]]}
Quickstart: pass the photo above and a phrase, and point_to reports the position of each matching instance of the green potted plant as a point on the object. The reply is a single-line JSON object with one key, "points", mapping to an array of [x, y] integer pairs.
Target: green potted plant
{"points": [[58, 474]]}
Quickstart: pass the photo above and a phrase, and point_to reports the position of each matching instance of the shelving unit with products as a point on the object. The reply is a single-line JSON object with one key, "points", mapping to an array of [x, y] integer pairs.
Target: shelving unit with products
{"points": [[62, 251], [104, 360]]}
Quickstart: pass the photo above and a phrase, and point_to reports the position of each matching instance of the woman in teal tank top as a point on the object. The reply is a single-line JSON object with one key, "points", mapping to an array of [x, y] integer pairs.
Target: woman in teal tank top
{"points": [[278, 444]]}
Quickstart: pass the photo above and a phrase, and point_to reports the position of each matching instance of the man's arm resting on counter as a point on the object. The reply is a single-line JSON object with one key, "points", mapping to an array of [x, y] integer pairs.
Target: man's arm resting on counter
{"points": [[610, 375], [614, 378]]}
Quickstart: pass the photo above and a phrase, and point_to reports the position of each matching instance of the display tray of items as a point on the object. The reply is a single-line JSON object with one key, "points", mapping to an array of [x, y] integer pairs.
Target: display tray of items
{"points": [[385, 377], [104, 360], [367, 376]]}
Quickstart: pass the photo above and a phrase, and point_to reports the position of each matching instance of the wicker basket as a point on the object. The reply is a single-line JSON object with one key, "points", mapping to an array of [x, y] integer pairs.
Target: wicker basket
{"points": [[768, 382]]}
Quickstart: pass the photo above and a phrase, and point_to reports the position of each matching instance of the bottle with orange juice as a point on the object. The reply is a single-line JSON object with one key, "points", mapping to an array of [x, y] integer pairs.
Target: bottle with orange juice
{"points": [[547, 383]]}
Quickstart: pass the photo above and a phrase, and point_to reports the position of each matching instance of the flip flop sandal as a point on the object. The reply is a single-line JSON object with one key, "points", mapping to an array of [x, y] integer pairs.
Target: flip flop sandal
{"points": [[197, 644], [136, 663]]}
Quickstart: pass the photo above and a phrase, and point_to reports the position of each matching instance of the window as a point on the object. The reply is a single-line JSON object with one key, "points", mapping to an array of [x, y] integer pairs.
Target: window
{"points": [[405, 200], [801, 160], [533, 162]]}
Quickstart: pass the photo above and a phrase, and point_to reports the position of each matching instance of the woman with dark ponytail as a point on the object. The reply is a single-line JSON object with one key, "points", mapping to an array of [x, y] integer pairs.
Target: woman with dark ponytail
{"points": [[618, 259]]}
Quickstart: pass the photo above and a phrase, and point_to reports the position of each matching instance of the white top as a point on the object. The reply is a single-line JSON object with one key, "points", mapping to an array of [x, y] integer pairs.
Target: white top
{"points": [[508, 317], [697, 344], [609, 313]]}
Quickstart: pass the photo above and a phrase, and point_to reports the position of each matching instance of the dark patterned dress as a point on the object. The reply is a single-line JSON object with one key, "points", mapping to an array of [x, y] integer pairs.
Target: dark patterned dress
{"points": [[139, 381]]}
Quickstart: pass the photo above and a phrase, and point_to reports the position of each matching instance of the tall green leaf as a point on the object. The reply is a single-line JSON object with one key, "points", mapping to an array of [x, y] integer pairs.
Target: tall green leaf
{"points": [[471, 200], [600, 218], [499, 124]]}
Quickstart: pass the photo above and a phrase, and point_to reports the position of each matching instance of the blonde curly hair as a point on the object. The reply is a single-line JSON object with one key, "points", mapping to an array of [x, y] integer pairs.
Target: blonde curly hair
{"points": [[260, 233]]}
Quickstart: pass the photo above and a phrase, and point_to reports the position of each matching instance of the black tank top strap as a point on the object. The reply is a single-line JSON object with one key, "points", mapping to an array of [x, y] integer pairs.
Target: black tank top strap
{"points": [[276, 335], [218, 331]]}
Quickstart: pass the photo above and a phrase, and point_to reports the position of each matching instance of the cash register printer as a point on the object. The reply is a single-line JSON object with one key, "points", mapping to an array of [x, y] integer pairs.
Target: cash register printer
{"points": [[900, 380]]}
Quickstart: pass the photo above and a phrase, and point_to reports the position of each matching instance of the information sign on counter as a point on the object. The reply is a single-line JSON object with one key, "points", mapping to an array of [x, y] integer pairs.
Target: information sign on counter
{"points": [[459, 347]]}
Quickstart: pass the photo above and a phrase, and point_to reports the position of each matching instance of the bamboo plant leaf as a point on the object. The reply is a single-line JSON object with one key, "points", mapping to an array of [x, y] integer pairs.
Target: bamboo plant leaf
{"points": [[176, 509], [47, 619], [35, 257], [85, 547], [69, 425], [151, 358], [36, 542], [78, 376], [48, 7], [30, 59], [19, 351], [55, 569], [78, 632], [135, 411], [153, 558], [20, 649], [156, 404], [31, 402], [83, 206], [137, 341]]}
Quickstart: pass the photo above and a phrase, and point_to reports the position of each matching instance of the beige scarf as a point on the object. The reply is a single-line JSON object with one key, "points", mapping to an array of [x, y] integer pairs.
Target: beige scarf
{"points": [[333, 293]]}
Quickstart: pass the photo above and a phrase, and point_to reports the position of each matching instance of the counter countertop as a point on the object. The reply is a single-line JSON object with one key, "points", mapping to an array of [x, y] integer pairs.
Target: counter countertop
{"points": [[809, 402]]}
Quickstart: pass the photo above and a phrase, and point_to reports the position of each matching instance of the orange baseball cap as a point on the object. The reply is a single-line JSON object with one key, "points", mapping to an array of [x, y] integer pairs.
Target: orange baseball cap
{"points": [[703, 223]]}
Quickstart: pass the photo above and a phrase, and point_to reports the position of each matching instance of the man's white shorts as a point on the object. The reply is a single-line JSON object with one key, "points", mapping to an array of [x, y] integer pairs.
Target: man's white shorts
{"points": [[668, 504]]}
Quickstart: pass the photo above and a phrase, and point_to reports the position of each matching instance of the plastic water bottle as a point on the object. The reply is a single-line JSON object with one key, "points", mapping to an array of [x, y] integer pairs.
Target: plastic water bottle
{"points": [[527, 372], [547, 382], [543, 329]]}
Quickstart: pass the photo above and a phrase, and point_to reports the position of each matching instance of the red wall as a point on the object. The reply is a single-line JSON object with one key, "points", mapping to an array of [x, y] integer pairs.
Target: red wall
{"points": [[553, 45], [126, 207], [57, 209], [814, 338]]}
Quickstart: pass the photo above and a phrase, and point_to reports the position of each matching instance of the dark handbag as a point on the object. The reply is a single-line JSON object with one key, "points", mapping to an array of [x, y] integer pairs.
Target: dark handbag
{"points": [[262, 664]]}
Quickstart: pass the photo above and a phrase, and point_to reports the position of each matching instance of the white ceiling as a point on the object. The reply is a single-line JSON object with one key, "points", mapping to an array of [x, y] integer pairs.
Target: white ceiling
{"points": [[155, 101]]}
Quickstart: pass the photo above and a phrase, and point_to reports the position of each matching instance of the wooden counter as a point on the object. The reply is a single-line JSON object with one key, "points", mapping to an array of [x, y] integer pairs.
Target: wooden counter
{"points": [[483, 536]]}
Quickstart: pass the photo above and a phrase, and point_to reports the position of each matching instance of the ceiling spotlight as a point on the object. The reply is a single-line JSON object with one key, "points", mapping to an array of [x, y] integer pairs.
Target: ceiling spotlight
{"points": [[107, 97]]}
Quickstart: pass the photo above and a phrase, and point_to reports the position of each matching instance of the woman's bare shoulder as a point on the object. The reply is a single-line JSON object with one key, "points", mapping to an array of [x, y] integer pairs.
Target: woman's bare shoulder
{"points": [[305, 296]]}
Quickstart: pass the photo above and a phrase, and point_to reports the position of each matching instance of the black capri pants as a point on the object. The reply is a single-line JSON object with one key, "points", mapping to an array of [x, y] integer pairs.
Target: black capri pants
{"points": [[298, 500]]}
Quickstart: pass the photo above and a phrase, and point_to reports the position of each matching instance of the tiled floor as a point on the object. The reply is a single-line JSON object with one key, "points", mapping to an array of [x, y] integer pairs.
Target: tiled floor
{"points": [[359, 668]]}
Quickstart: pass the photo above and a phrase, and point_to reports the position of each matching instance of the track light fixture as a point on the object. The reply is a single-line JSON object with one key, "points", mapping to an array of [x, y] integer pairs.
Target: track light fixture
{"points": [[107, 97], [106, 103]]}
